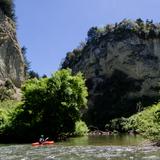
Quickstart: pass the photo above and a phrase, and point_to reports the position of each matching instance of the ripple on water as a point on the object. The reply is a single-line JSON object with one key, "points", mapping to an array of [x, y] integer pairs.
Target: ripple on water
{"points": [[59, 152]]}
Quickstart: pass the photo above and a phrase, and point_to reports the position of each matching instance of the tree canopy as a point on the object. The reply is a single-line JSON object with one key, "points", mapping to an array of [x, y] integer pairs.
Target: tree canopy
{"points": [[50, 105], [7, 6]]}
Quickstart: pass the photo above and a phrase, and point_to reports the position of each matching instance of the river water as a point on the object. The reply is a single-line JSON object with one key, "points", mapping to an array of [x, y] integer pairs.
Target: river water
{"points": [[119, 147]]}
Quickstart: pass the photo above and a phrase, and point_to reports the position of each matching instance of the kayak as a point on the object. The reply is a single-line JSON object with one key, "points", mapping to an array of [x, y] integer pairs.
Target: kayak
{"points": [[44, 143]]}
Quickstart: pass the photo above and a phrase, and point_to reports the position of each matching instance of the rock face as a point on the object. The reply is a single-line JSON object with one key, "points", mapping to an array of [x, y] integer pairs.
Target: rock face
{"points": [[122, 72], [11, 59]]}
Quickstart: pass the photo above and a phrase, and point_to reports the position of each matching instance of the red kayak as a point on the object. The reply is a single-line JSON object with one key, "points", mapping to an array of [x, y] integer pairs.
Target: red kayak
{"points": [[44, 143]]}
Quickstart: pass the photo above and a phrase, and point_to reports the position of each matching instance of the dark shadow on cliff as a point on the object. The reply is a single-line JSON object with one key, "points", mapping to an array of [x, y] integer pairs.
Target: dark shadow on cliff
{"points": [[115, 101]]}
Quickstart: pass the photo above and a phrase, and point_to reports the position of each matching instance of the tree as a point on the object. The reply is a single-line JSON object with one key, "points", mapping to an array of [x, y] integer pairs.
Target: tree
{"points": [[92, 33], [51, 105], [26, 62], [140, 22], [44, 76], [7, 6], [66, 96], [33, 74]]}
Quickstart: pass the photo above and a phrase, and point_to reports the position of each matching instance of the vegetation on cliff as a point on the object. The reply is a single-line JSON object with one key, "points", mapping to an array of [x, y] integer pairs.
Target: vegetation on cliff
{"points": [[7, 6], [144, 30], [50, 106]]}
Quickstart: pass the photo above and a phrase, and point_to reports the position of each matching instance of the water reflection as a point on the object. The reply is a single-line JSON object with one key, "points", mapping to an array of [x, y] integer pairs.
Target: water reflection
{"points": [[118, 140]]}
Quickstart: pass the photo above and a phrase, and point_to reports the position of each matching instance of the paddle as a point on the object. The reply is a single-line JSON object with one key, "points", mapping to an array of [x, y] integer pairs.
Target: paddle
{"points": [[46, 139]]}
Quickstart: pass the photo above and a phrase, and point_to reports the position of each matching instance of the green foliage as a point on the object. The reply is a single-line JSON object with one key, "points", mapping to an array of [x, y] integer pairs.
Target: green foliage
{"points": [[74, 56], [51, 105], [143, 29], [7, 90], [5, 93], [146, 122], [7, 6], [92, 33], [81, 128], [117, 32], [26, 62], [33, 74], [29, 74], [116, 124], [7, 107]]}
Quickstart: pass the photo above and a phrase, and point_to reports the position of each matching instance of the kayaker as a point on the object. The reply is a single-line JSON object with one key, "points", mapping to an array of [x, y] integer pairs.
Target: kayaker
{"points": [[41, 139]]}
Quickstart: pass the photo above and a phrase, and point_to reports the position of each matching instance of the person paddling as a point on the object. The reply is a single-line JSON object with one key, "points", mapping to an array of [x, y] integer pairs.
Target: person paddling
{"points": [[42, 140]]}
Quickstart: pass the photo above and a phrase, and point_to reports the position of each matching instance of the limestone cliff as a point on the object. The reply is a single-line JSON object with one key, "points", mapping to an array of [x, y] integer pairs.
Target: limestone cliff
{"points": [[11, 59], [122, 68]]}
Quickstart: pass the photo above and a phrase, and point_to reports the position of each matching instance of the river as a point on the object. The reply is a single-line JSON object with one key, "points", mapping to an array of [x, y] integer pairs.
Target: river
{"points": [[118, 147]]}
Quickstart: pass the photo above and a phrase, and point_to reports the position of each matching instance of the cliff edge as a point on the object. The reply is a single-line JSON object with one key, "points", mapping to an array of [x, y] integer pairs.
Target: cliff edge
{"points": [[11, 58]]}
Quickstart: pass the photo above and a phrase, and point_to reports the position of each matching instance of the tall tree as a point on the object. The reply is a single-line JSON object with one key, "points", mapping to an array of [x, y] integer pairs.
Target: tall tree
{"points": [[27, 63], [7, 6]]}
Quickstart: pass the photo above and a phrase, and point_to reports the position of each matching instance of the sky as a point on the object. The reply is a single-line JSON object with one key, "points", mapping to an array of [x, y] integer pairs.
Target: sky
{"points": [[51, 28]]}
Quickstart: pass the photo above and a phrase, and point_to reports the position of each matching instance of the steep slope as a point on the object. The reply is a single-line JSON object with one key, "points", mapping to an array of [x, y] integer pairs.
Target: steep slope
{"points": [[121, 63], [11, 59]]}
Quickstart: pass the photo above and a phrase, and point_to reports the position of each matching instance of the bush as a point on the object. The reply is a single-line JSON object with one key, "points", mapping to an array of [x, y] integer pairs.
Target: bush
{"points": [[7, 107], [81, 128], [116, 124], [146, 122]]}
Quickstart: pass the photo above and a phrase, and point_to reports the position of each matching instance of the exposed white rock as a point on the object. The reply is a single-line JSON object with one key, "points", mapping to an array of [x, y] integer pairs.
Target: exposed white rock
{"points": [[11, 59]]}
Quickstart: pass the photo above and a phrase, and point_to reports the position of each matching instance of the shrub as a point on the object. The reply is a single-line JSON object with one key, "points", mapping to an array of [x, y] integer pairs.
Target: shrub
{"points": [[7, 90], [7, 107], [146, 122], [116, 124], [81, 128]]}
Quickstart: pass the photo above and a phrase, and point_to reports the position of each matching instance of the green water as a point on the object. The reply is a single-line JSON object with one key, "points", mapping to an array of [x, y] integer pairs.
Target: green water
{"points": [[124, 147]]}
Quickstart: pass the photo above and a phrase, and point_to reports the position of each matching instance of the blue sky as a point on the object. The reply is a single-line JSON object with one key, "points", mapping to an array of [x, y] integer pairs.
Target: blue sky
{"points": [[51, 28]]}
